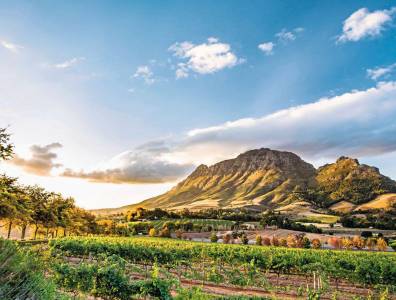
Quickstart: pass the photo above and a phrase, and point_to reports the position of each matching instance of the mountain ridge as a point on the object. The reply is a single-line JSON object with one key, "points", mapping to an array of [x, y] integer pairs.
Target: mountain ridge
{"points": [[262, 179]]}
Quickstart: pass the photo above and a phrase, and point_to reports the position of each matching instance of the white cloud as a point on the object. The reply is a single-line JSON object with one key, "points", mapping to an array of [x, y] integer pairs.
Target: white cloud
{"points": [[144, 164], [205, 58], [363, 23], [69, 63], [10, 46], [41, 161], [357, 123], [267, 48], [376, 73], [286, 36], [145, 73]]}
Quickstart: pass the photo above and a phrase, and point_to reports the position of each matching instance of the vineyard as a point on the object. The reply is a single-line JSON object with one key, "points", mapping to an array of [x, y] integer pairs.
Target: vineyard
{"points": [[268, 268], [203, 223]]}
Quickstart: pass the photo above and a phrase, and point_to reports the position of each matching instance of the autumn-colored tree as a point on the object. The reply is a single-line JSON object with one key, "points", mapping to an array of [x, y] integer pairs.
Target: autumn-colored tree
{"points": [[283, 242], [335, 242], [347, 243], [165, 232], [316, 244], [152, 232], [259, 240], [179, 233], [275, 241], [291, 241], [358, 242], [371, 243], [382, 245], [266, 241], [226, 238]]}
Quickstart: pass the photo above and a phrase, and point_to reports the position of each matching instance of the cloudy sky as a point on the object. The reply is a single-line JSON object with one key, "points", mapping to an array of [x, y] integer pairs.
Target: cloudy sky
{"points": [[113, 103]]}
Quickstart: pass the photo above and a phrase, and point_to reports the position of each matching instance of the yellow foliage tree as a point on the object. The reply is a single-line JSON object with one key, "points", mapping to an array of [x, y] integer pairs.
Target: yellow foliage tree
{"points": [[382, 245]]}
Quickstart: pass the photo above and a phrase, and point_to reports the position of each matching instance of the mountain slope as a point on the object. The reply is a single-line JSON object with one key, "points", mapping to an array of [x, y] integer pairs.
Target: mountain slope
{"points": [[264, 178]]}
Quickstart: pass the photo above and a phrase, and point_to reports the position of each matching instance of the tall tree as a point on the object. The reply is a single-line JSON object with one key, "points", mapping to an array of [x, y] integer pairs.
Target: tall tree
{"points": [[6, 148]]}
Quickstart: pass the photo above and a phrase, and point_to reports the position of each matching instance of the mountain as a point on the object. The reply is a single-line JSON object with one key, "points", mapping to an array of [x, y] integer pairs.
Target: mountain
{"points": [[269, 179]]}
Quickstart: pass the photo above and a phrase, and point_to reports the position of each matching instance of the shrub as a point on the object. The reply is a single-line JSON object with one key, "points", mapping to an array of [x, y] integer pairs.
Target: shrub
{"points": [[371, 243], [165, 232], [347, 243], [275, 241], [226, 238], [266, 241], [244, 239], [283, 242], [358, 242], [259, 240], [382, 245], [316, 244], [335, 242], [366, 234], [306, 243], [213, 237], [22, 274], [152, 232], [291, 241], [179, 233]]}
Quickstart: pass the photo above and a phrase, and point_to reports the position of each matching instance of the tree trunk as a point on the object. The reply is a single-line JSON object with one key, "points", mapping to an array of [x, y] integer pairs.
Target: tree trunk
{"points": [[56, 232], [64, 232], [23, 231], [35, 231], [46, 236], [9, 230]]}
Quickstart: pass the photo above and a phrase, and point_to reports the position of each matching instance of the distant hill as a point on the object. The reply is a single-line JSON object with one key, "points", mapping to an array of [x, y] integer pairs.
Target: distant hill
{"points": [[269, 179]]}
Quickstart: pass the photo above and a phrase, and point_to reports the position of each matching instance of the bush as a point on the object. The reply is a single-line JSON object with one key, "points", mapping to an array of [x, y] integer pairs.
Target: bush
{"points": [[366, 234], [22, 274], [382, 245], [316, 244], [226, 238], [152, 232], [179, 233], [244, 239], [213, 237], [165, 232], [275, 241], [266, 241], [259, 240]]}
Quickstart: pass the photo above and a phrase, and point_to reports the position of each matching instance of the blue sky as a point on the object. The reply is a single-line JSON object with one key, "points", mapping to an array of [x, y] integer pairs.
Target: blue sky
{"points": [[133, 95]]}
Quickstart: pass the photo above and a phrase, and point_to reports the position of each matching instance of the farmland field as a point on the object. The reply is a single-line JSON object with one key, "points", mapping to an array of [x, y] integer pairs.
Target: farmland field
{"points": [[266, 270]]}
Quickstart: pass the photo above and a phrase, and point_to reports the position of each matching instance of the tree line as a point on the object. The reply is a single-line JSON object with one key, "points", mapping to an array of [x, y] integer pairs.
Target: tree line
{"points": [[24, 205]]}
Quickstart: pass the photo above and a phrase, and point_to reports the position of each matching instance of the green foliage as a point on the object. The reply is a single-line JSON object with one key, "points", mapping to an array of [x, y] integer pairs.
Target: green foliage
{"points": [[22, 274], [108, 279], [213, 237], [349, 265], [6, 148], [348, 180]]}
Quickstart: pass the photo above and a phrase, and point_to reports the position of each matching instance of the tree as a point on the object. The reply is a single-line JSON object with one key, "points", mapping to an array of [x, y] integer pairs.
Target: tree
{"points": [[371, 243], [347, 243], [213, 237], [266, 241], [382, 245], [152, 232], [226, 238], [335, 242], [275, 242], [259, 240], [244, 239], [358, 242], [316, 244], [6, 148], [291, 241]]}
